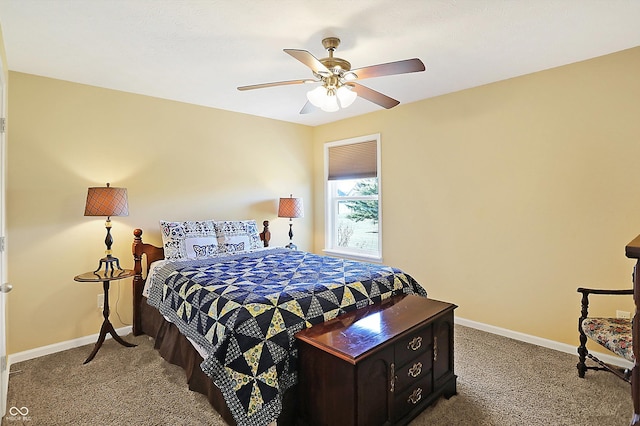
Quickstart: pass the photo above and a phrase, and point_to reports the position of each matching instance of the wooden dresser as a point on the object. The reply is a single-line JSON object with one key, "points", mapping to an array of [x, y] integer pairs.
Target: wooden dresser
{"points": [[381, 365]]}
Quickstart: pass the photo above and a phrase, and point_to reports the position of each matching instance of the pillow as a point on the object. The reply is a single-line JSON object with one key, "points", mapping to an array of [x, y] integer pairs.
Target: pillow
{"points": [[235, 236], [189, 239]]}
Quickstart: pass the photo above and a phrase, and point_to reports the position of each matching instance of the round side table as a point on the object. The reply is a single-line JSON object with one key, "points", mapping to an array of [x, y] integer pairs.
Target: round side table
{"points": [[107, 327]]}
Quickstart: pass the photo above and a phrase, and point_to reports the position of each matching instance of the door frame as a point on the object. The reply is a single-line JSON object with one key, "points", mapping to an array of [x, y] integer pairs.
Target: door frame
{"points": [[4, 364]]}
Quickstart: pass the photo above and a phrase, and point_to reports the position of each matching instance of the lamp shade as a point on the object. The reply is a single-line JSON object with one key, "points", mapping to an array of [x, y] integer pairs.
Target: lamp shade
{"points": [[330, 103], [346, 96], [290, 207], [317, 96], [107, 201], [327, 98]]}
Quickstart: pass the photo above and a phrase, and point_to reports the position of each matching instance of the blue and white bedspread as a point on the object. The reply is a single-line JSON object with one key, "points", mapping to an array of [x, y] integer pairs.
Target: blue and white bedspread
{"points": [[245, 309]]}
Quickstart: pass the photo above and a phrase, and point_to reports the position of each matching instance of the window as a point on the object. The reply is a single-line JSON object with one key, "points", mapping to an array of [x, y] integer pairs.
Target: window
{"points": [[352, 177]]}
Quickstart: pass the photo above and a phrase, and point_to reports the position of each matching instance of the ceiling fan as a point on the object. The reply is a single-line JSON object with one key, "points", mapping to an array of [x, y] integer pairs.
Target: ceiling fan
{"points": [[338, 88]]}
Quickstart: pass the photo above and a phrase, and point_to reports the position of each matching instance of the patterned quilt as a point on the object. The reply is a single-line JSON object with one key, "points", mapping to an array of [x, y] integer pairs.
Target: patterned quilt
{"points": [[245, 309]]}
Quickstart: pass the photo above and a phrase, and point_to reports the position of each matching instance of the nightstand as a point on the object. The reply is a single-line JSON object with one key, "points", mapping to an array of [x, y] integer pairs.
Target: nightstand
{"points": [[107, 327]]}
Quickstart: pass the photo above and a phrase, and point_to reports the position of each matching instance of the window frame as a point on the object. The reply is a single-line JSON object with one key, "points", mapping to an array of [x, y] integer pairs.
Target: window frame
{"points": [[331, 201]]}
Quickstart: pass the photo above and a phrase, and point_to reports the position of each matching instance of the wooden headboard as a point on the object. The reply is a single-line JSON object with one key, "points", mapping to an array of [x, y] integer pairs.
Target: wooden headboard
{"points": [[152, 254]]}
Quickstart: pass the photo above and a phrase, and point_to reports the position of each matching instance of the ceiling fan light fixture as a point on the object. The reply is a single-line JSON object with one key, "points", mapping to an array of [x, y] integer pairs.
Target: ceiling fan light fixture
{"points": [[346, 96], [330, 103], [330, 99], [317, 96]]}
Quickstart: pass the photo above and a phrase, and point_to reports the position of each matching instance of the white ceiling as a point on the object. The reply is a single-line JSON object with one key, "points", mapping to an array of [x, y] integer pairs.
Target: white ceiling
{"points": [[199, 51]]}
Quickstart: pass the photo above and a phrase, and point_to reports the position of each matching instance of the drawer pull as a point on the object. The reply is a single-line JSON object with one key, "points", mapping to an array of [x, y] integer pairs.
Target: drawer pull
{"points": [[392, 387], [435, 349], [415, 370], [415, 343], [415, 396]]}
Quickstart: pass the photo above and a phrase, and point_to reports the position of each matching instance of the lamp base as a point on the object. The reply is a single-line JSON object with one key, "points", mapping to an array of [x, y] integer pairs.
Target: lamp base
{"points": [[110, 262]]}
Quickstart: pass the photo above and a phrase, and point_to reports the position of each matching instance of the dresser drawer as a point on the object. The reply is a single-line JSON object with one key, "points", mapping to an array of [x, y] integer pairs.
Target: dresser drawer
{"points": [[413, 371], [415, 343], [414, 395]]}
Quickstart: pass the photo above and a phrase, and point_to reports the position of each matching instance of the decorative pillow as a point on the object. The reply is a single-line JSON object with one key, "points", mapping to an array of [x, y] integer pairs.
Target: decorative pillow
{"points": [[235, 236], [180, 239]]}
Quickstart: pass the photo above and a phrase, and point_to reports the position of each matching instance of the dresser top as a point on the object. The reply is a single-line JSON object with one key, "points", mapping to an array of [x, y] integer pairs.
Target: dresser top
{"points": [[355, 333]]}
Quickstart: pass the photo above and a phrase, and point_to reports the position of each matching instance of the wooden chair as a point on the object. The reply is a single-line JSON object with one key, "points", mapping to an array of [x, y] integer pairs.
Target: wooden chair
{"points": [[612, 333], [623, 335], [632, 251]]}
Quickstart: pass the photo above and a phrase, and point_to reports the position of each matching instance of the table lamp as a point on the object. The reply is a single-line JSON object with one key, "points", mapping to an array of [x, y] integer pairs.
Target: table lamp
{"points": [[290, 207], [107, 201]]}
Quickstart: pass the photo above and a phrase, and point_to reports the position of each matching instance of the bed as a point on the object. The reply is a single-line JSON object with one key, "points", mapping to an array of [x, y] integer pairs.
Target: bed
{"points": [[223, 305]]}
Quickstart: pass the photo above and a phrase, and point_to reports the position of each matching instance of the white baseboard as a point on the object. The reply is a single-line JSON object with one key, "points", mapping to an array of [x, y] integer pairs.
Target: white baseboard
{"points": [[546, 343], [62, 346]]}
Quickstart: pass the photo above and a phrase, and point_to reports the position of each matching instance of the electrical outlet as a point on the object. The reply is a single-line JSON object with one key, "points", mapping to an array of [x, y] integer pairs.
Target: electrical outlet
{"points": [[101, 301], [623, 314]]}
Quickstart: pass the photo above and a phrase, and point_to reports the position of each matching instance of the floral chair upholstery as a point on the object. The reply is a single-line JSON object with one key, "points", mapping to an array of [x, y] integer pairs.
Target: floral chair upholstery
{"points": [[612, 333]]}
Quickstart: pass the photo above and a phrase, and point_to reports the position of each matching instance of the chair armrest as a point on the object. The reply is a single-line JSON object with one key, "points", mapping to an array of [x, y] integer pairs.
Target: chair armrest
{"points": [[584, 312], [588, 291]]}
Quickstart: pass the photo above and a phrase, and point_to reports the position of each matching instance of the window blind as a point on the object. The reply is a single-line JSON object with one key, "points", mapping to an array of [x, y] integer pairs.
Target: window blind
{"points": [[353, 161]]}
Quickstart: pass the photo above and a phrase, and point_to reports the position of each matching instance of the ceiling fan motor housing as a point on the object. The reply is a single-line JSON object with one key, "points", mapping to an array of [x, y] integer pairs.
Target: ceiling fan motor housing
{"points": [[334, 64]]}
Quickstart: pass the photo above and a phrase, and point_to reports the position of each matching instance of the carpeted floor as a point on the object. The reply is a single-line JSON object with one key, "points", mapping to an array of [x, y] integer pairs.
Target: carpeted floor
{"points": [[500, 382]]}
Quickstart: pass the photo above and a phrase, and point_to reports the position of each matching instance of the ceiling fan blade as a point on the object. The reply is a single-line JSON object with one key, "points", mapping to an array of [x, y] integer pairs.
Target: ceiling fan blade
{"points": [[398, 67], [309, 60], [308, 108], [276, 83], [374, 96]]}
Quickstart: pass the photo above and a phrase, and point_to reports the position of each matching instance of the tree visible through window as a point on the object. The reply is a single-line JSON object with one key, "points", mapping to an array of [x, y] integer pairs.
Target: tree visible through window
{"points": [[353, 197], [362, 210]]}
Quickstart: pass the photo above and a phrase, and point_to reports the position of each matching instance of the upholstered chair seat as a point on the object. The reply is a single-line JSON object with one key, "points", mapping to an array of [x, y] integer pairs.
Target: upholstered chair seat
{"points": [[612, 333]]}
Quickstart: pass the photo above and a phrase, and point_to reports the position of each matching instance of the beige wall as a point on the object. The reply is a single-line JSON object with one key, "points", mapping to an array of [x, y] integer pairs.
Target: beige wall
{"points": [[505, 198], [178, 162]]}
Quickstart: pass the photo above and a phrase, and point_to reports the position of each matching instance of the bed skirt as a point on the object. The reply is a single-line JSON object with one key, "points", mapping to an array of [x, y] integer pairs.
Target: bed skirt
{"points": [[176, 349]]}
